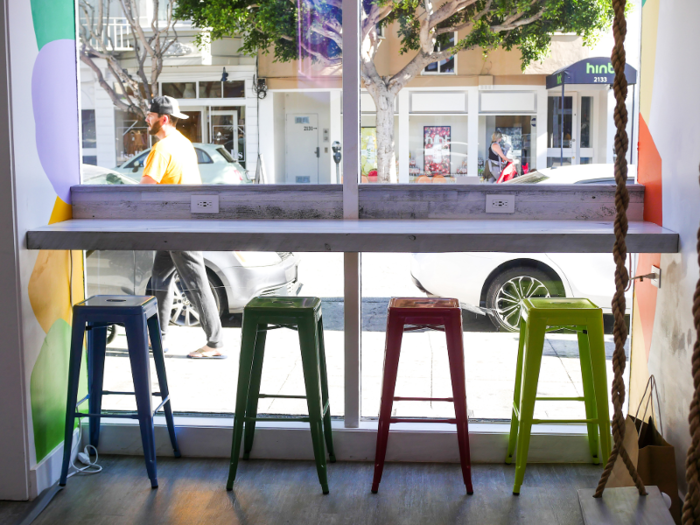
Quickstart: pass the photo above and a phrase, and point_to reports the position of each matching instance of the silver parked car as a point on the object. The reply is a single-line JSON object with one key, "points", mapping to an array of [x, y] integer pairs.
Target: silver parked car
{"points": [[216, 165]]}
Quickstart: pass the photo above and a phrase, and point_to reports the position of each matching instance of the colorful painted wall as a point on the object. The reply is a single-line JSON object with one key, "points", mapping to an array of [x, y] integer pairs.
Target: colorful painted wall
{"points": [[46, 157], [669, 156]]}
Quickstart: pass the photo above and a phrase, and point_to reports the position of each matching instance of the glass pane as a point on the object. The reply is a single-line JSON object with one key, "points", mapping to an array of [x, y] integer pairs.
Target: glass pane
{"points": [[210, 89], [180, 89], [234, 89], [131, 136], [506, 139], [233, 279], [479, 281], [192, 126], [447, 66], [88, 128], [556, 129], [556, 161], [586, 122]]}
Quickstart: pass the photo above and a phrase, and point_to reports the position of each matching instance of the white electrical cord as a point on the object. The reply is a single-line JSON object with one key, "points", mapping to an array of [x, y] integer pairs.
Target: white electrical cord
{"points": [[84, 458]]}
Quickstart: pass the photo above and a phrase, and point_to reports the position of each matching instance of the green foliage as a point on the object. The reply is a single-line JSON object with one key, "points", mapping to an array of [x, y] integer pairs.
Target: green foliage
{"points": [[265, 24]]}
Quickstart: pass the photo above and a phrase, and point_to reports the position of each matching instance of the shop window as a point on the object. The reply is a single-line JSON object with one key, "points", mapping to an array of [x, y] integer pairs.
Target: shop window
{"points": [[234, 89], [180, 89], [513, 136], [89, 132], [210, 89], [228, 128], [446, 66], [586, 122], [559, 122], [209, 386], [131, 136]]}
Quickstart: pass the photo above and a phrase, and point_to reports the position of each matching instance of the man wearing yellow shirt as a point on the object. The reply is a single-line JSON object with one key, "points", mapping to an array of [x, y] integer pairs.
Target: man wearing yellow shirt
{"points": [[172, 160]]}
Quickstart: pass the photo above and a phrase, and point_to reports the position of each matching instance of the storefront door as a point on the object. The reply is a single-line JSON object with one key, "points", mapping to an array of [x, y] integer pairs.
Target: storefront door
{"points": [[192, 126], [562, 129], [223, 126], [301, 148]]}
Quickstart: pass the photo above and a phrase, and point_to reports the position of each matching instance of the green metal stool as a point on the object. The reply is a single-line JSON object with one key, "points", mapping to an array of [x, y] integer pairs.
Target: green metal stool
{"points": [[541, 315], [298, 313]]}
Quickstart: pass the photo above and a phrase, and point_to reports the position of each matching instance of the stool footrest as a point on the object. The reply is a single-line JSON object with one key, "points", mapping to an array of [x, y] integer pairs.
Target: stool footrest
{"points": [[451, 399], [558, 421], [131, 415], [281, 396], [560, 398], [412, 328], [420, 420], [278, 419]]}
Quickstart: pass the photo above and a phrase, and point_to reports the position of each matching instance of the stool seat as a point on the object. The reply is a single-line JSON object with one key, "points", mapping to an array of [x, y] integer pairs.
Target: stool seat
{"points": [[139, 316], [426, 312], [538, 316], [260, 315]]}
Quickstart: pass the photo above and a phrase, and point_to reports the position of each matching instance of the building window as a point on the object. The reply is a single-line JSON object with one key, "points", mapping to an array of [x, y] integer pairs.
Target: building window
{"points": [[446, 66], [90, 159], [180, 89], [88, 128], [234, 89]]}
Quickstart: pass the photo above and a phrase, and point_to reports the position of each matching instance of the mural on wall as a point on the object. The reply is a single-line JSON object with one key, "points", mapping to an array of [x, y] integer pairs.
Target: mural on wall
{"points": [[649, 174], [55, 110]]}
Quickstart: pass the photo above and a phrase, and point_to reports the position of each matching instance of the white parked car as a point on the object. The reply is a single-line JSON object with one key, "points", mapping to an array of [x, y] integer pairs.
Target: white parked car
{"points": [[494, 284]]}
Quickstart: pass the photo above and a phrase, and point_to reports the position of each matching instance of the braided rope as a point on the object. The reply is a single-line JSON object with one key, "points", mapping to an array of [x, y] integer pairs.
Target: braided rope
{"points": [[691, 507], [619, 358]]}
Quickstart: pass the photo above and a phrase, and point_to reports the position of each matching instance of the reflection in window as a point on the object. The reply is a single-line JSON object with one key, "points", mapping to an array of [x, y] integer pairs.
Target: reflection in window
{"points": [[234, 89], [514, 137], [559, 129], [586, 122], [180, 89], [443, 66], [89, 132], [210, 89]]}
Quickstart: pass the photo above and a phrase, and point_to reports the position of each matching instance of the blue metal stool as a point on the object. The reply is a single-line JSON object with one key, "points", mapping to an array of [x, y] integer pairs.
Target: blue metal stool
{"points": [[139, 315]]}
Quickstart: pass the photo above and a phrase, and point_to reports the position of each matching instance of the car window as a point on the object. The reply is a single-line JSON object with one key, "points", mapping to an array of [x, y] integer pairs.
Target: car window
{"points": [[225, 154], [139, 161], [203, 157]]}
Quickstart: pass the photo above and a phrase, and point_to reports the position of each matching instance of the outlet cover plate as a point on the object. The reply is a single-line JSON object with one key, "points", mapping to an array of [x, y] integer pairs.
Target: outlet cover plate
{"points": [[205, 204], [500, 203]]}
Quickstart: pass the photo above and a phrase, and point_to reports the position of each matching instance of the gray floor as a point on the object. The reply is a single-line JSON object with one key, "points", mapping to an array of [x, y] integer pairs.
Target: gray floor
{"points": [[192, 491]]}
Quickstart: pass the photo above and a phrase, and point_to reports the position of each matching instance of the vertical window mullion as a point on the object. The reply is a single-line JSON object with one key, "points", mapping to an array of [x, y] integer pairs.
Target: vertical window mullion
{"points": [[351, 170]]}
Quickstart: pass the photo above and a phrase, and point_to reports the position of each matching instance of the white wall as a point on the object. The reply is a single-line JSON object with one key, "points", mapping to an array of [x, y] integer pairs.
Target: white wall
{"points": [[278, 133]]}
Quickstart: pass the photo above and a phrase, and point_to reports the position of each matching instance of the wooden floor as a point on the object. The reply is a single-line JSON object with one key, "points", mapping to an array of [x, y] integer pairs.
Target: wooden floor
{"points": [[192, 491]]}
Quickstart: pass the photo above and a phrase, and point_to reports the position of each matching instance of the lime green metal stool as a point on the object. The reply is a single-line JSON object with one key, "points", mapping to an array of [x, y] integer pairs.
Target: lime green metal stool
{"points": [[304, 315], [541, 315]]}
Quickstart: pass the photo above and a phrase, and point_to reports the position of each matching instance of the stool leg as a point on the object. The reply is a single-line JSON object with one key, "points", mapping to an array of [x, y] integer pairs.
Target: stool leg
{"points": [[76, 354], [455, 350], [248, 337], [534, 346], [97, 346], [254, 390], [600, 382], [159, 359], [308, 340], [392, 351], [588, 394], [327, 430], [137, 339], [514, 422]]}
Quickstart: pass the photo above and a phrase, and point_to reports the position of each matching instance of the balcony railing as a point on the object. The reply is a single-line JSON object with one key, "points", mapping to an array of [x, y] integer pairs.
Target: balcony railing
{"points": [[116, 35]]}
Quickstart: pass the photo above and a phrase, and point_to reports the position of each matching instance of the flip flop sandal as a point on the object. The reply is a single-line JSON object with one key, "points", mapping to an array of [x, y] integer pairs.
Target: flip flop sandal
{"points": [[200, 355]]}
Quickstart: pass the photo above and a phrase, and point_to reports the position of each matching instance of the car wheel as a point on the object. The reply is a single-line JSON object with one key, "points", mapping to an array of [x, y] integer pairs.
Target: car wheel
{"points": [[508, 289], [184, 313]]}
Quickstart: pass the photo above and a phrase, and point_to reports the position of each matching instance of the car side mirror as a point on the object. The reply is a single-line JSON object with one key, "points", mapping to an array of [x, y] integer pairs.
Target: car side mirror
{"points": [[137, 166]]}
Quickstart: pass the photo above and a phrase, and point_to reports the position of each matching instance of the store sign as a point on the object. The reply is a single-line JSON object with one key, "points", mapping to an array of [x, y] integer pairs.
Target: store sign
{"points": [[598, 70]]}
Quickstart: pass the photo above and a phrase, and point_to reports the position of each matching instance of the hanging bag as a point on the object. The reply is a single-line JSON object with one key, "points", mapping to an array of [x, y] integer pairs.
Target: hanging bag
{"points": [[653, 457]]}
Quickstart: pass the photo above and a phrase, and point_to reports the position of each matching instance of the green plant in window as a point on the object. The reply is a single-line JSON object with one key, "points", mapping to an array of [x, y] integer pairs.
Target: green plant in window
{"points": [[313, 29]]}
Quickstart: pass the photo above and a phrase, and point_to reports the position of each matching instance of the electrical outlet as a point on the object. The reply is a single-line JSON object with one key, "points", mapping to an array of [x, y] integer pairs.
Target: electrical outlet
{"points": [[500, 204], [656, 281], [205, 204]]}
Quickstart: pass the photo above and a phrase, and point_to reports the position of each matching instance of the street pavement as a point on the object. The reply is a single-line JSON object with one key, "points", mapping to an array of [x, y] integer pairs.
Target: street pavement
{"points": [[209, 386]]}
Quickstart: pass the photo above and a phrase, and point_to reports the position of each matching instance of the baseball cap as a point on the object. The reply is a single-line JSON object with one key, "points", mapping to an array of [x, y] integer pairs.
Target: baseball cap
{"points": [[166, 106]]}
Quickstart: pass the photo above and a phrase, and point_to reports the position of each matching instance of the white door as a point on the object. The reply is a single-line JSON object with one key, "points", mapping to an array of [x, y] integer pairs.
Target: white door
{"points": [[565, 129], [586, 129], [301, 148]]}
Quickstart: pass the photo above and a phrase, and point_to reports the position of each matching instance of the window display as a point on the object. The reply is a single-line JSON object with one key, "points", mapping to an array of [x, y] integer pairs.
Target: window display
{"points": [[436, 146]]}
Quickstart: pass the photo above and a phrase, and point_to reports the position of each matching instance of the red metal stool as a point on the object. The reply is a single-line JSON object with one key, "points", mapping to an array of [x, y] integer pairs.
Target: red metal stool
{"points": [[406, 314]]}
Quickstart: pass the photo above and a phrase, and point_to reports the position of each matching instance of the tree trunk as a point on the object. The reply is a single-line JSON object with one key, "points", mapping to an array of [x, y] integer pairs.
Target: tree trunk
{"points": [[385, 101]]}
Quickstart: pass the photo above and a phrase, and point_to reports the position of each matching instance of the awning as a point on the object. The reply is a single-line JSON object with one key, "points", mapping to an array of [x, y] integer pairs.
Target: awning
{"points": [[596, 70]]}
